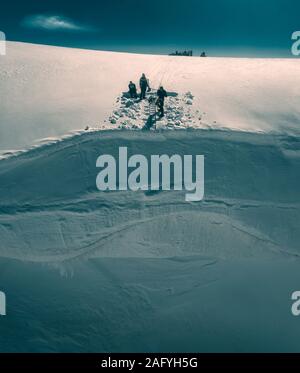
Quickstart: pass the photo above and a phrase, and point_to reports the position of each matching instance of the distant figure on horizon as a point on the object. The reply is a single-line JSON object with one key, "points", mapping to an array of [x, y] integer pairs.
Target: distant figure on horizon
{"points": [[144, 85], [203, 54], [161, 94], [132, 90]]}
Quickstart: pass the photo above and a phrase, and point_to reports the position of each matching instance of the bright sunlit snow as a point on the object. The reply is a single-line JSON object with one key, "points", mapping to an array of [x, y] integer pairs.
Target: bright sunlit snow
{"points": [[48, 91]]}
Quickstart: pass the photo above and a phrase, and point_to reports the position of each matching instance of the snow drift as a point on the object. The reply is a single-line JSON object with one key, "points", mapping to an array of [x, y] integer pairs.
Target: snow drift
{"points": [[147, 271], [52, 210]]}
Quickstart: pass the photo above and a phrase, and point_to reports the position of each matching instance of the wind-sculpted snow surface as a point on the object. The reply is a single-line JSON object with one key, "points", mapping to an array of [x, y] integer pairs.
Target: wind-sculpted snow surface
{"points": [[51, 209], [142, 271], [147, 271]]}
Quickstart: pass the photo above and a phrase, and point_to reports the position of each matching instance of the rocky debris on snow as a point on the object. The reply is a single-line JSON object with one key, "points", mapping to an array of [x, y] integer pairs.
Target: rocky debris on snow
{"points": [[189, 95], [132, 113]]}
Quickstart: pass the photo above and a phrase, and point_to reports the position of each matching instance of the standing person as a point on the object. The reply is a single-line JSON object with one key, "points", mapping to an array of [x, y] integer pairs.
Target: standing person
{"points": [[132, 90], [144, 84], [161, 94]]}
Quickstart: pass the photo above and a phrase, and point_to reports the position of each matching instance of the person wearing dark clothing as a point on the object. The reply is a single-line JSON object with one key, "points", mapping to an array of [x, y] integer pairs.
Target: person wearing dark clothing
{"points": [[161, 94], [144, 85], [132, 90]]}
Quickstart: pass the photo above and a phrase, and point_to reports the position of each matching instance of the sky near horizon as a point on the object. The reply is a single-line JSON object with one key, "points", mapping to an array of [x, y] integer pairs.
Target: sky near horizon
{"points": [[261, 28]]}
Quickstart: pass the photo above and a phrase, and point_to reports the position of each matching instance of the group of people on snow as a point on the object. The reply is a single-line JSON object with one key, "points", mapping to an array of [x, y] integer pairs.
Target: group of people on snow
{"points": [[144, 88]]}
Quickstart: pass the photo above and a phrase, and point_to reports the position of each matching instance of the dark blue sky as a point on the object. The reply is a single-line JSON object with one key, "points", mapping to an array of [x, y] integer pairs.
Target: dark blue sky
{"points": [[221, 27]]}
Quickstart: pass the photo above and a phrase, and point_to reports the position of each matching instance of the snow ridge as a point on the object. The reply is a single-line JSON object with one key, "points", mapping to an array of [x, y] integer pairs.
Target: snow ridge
{"points": [[55, 213]]}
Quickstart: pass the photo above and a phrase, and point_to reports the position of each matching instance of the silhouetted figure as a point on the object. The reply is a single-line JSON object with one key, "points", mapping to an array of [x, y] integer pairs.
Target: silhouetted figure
{"points": [[152, 113], [203, 54], [144, 85], [132, 90], [161, 94]]}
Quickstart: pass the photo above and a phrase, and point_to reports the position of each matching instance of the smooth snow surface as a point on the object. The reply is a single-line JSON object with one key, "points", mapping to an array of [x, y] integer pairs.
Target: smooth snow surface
{"points": [[48, 91]]}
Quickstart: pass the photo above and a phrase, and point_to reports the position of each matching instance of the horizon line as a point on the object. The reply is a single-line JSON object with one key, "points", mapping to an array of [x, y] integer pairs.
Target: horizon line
{"points": [[116, 50]]}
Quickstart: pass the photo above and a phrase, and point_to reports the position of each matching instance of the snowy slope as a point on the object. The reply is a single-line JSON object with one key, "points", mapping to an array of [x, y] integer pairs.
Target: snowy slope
{"points": [[85, 270], [47, 91], [251, 200], [124, 271]]}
